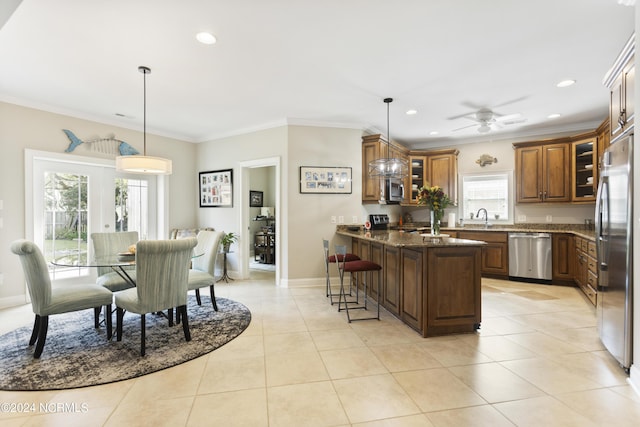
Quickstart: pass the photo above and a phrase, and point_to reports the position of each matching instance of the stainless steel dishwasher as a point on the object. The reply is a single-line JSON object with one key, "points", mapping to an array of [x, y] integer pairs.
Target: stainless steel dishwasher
{"points": [[530, 256]]}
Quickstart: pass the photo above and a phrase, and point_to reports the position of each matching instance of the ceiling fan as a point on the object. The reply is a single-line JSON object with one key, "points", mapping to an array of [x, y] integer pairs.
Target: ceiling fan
{"points": [[486, 120]]}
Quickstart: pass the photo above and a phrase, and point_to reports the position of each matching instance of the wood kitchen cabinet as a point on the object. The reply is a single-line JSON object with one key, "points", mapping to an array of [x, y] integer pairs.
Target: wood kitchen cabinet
{"points": [[604, 140], [542, 173], [586, 268], [412, 266], [435, 167], [563, 257], [584, 165], [375, 147], [621, 83], [391, 279], [495, 255]]}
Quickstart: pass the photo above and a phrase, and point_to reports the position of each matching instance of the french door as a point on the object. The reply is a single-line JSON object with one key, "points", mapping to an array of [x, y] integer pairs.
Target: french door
{"points": [[73, 197]]}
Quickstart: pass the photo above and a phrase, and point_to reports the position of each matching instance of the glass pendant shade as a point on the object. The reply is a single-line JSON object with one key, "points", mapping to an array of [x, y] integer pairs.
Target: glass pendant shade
{"points": [[388, 167], [143, 164]]}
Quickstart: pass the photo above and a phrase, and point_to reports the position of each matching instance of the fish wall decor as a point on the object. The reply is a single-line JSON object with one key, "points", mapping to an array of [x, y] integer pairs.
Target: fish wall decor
{"points": [[108, 145], [486, 159]]}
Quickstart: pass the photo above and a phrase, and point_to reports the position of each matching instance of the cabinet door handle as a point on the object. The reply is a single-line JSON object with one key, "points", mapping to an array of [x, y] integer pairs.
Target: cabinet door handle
{"points": [[540, 195], [545, 195]]}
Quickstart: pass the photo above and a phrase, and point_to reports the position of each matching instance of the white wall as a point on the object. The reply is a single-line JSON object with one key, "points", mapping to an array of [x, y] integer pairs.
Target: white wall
{"points": [[22, 128]]}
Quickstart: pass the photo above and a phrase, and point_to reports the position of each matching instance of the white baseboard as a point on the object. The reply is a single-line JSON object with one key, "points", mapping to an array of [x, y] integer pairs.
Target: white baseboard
{"points": [[13, 301], [634, 379], [305, 283]]}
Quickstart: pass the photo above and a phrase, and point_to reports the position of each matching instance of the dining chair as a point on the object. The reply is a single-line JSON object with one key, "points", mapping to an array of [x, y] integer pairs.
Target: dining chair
{"points": [[162, 271], [47, 300], [106, 246], [203, 270]]}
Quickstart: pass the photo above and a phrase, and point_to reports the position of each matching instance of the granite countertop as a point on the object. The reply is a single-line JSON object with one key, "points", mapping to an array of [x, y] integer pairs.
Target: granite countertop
{"points": [[575, 229], [404, 239]]}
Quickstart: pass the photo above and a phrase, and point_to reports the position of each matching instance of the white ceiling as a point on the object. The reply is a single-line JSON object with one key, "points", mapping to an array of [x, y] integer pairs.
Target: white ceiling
{"points": [[315, 62]]}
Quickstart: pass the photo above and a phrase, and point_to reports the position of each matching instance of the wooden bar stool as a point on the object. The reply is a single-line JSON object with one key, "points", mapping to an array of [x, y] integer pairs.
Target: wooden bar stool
{"points": [[358, 266], [332, 259]]}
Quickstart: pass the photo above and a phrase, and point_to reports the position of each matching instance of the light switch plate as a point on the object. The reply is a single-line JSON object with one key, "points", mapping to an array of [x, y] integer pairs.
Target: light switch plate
{"points": [[522, 218]]}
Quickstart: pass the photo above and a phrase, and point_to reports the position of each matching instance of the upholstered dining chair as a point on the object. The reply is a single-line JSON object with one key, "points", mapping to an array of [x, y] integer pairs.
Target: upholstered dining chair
{"points": [[203, 270], [107, 245], [162, 271], [47, 300]]}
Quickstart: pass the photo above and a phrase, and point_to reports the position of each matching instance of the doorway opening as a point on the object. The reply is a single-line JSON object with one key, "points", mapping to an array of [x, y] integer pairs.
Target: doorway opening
{"points": [[261, 219]]}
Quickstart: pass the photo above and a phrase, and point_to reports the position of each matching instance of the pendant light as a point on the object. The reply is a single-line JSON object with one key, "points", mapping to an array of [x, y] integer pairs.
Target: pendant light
{"points": [[144, 164], [388, 167]]}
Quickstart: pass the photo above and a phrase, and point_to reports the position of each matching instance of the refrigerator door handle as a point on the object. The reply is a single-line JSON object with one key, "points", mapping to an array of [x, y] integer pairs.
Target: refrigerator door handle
{"points": [[602, 225]]}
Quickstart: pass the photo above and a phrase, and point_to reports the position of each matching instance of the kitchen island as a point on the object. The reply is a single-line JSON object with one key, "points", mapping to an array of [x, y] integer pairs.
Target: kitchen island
{"points": [[431, 284]]}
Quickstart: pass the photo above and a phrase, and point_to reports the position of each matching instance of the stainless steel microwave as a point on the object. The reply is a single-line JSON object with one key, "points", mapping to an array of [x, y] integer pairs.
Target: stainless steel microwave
{"points": [[393, 191]]}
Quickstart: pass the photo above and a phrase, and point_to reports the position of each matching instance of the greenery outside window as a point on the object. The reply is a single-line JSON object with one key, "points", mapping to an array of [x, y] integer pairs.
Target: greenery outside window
{"points": [[491, 191]]}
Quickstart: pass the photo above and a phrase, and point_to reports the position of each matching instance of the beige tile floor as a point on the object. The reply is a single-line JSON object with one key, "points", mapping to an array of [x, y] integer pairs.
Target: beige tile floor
{"points": [[536, 361]]}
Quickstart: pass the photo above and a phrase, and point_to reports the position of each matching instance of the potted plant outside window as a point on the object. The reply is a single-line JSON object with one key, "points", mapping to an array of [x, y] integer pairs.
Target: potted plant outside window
{"points": [[227, 240]]}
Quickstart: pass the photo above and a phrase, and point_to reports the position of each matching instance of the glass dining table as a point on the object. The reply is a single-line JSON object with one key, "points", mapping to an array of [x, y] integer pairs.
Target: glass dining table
{"points": [[121, 263]]}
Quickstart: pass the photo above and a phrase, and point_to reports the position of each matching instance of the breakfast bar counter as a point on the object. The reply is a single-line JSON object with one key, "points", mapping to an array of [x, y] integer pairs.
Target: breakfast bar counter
{"points": [[430, 283]]}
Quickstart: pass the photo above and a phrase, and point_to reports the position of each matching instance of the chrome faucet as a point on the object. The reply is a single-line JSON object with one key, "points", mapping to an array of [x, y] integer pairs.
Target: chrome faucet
{"points": [[486, 217]]}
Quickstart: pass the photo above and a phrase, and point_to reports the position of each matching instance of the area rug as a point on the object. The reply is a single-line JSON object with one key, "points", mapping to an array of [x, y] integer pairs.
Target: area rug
{"points": [[78, 355]]}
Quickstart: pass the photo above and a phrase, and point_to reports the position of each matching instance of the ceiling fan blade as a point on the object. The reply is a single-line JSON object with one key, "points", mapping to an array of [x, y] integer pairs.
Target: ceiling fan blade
{"points": [[513, 101], [507, 117], [464, 127], [513, 122], [459, 116]]}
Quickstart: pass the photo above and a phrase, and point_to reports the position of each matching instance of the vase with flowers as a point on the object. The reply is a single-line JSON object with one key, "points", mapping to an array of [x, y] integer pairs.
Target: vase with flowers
{"points": [[437, 200]]}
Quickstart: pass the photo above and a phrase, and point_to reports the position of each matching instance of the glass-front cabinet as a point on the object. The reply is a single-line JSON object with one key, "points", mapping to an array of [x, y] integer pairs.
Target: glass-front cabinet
{"points": [[584, 154], [417, 176]]}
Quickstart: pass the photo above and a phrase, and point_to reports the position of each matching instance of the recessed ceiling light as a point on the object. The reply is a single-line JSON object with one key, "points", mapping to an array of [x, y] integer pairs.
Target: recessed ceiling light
{"points": [[411, 112], [434, 132], [206, 38], [554, 116], [566, 83]]}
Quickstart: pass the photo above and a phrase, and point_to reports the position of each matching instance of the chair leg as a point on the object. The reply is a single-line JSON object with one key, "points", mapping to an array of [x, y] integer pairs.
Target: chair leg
{"points": [[107, 315], [34, 334], [142, 334], [213, 298], [170, 316], [119, 316], [42, 336], [185, 322], [96, 316], [198, 297]]}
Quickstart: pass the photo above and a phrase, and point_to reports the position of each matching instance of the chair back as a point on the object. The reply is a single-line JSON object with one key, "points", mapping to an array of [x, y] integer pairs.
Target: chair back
{"points": [[36, 273], [209, 245], [110, 244], [162, 272]]}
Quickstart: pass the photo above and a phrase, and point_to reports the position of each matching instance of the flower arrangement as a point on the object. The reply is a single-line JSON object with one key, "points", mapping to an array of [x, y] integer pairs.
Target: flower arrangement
{"points": [[437, 200]]}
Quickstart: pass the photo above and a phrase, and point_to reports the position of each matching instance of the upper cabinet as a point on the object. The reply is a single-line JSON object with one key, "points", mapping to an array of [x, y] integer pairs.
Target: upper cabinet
{"points": [[542, 173], [433, 167], [584, 159], [621, 83], [375, 147], [426, 167]]}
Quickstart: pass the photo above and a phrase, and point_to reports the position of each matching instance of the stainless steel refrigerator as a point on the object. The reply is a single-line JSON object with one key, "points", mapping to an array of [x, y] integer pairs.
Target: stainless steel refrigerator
{"points": [[614, 236]]}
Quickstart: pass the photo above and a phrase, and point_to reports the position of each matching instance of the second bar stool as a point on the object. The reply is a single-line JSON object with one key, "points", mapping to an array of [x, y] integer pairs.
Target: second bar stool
{"points": [[358, 266], [333, 259]]}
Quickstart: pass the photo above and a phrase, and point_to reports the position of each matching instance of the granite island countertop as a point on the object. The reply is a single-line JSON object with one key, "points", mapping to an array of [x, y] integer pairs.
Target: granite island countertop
{"points": [[401, 238]]}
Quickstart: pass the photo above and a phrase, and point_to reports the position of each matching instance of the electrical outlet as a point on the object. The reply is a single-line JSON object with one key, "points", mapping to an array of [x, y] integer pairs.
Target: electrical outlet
{"points": [[354, 219], [549, 218], [522, 218], [341, 219], [333, 219]]}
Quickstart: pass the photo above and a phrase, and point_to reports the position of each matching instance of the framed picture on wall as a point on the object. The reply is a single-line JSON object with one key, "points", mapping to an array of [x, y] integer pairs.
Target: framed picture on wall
{"points": [[255, 199], [216, 188], [325, 180]]}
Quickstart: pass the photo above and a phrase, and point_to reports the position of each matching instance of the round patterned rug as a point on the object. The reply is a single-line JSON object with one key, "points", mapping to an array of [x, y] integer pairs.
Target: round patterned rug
{"points": [[78, 355]]}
